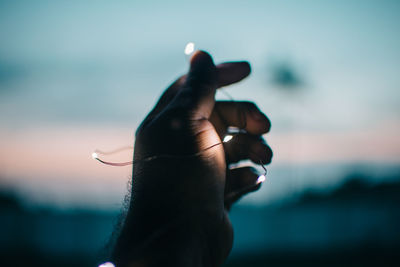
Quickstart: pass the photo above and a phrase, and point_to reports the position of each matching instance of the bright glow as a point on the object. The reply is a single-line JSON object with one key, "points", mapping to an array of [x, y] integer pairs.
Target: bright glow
{"points": [[94, 155], [228, 138], [107, 264], [260, 179], [189, 48]]}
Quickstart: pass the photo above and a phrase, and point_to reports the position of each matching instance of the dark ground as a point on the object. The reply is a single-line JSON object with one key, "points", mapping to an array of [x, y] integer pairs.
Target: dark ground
{"points": [[355, 225]]}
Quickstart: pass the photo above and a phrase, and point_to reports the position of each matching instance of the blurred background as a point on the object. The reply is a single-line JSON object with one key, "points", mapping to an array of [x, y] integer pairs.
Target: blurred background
{"points": [[76, 76]]}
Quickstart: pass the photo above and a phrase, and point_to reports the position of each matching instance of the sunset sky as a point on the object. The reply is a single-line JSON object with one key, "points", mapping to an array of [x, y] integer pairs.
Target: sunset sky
{"points": [[80, 75]]}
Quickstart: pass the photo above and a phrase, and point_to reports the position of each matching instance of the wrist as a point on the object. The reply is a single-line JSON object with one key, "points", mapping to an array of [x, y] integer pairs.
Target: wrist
{"points": [[178, 243]]}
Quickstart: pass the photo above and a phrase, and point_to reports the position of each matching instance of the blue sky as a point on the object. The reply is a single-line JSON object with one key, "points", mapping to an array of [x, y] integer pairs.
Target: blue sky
{"points": [[347, 52], [91, 66]]}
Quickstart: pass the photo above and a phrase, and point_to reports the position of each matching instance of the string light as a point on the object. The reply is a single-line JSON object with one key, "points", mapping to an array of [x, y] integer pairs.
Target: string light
{"points": [[231, 132], [95, 155], [235, 195], [261, 179], [189, 48], [227, 138], [119, 164], [107, 264], [113, 151]]}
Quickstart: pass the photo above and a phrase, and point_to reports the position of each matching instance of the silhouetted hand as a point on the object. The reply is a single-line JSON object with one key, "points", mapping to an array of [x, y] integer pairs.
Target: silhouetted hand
{"points": [[179, 200]]}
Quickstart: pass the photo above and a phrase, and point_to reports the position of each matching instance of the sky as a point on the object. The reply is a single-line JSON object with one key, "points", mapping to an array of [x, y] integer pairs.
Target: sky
{"points": [[80, 75]]}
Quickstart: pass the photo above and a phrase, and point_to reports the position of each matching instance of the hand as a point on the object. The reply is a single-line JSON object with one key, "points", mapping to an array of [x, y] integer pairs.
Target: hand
{"points": [[180, 198]]}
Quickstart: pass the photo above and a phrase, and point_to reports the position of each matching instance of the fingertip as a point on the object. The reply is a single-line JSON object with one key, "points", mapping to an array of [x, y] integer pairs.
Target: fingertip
{"points": [[242, 177], [261, 153], [267, 124], [256, 186], [201, 58], [243, 69], [246, 67], [232, 72], [240, 182], [257, 121], [250, 173], [202, 70]]}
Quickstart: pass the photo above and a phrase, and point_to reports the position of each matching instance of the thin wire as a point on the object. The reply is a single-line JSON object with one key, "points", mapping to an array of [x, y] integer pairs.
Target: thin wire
{"points": [[113, 151], [119, 164], [226, 94], [236, 194], [262, 165], [231, 131]]}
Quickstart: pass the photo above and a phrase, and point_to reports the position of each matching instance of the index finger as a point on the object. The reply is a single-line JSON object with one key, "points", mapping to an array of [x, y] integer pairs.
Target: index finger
{"points": [[232, 72]]}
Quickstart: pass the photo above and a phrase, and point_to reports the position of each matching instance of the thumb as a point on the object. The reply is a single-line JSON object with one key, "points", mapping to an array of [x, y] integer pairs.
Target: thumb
{"points": [[201, 84]]}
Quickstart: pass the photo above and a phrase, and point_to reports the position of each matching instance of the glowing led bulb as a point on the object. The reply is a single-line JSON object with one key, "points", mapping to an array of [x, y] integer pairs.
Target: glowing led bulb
{"points": [[227, 138], [94, 155], [107, 264], [260, 179], [189, 48]]}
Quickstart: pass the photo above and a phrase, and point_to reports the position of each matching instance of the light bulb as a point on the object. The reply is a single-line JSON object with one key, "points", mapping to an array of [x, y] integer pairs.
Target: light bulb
{"points": [[189, 48], [227, 138], [260, 179]]}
